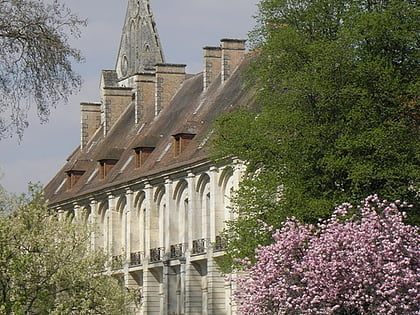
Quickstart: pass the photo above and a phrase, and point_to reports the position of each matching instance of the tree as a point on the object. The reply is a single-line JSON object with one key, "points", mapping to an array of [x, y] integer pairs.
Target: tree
{"points": [[359, 261], [35, 60], [338, 118], [46, 266]]}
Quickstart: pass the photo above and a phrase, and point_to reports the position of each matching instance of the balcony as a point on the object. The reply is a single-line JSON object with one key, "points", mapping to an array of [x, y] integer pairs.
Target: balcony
{"points": [[220, 244], [135, 259], [117, 262], [177, 251], [199, 246], [156, 254]]}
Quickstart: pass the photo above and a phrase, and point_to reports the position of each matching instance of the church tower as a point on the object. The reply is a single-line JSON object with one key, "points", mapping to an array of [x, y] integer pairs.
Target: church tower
{"points": [[140, 47]]}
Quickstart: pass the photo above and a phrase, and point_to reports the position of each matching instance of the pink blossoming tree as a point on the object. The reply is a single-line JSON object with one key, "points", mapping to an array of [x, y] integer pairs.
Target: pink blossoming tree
{"points": [[359, 261]]}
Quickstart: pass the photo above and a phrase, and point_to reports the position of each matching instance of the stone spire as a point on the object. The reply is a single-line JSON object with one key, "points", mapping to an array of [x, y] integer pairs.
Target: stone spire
{"points": [[140, 46]]}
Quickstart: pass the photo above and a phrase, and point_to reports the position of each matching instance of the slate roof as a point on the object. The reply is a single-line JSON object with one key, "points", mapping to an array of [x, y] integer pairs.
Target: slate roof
{"points": [[191, 110]]}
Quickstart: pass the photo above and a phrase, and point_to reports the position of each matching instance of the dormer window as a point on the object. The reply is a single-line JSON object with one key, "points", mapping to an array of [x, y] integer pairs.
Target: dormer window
{"points": [[181, 141], [141, 154], [72, 177], [105, 167]]}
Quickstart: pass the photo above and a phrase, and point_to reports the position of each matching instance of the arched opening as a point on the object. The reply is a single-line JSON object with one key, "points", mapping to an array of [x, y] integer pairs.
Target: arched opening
{"points": [[118, 228], [156, 230], [201, 215], [137, 230], [101, 228]]}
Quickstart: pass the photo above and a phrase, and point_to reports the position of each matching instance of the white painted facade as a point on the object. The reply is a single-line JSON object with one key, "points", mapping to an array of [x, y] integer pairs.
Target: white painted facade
{"points": [[162, 235]]}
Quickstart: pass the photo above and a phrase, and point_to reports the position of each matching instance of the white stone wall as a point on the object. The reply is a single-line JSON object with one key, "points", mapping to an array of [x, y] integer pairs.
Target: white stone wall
{"points": [[163, 237]]}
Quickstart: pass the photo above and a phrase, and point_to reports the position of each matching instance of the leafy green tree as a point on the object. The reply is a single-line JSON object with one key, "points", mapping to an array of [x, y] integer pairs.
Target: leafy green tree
{"points": [[35, 60], [46, 266], [338, 118]]}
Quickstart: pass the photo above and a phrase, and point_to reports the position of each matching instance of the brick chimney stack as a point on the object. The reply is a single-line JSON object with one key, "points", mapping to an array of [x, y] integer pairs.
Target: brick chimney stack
{"points": [[233, 51], [145, 96], [90, 121], [169, 78], [115, 100], [212, 64]]}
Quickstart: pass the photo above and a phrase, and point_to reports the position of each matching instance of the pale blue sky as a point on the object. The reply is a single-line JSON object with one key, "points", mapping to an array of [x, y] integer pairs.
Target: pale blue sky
{"points": [[184, 27]]}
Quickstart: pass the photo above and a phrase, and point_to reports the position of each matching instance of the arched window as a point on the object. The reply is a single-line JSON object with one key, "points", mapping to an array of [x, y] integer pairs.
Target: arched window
{"points": [[178, 220], [118, 224], [157, 218], [137, 229], [201, 215], [101, 228]]}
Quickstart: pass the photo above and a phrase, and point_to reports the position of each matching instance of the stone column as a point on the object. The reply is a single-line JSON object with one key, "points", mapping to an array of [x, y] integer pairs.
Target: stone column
{"points": [[93, 221], [188, 238], [108, 223], [127, 232], [170, 206], [77, 212], [215, 280]]}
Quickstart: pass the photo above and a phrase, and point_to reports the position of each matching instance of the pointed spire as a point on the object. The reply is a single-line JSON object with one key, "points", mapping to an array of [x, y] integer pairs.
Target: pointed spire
{"points": [[140, 46]]}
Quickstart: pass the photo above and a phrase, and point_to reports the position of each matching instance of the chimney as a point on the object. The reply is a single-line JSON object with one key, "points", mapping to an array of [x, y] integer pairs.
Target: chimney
{"points": [[233, 51], [212, 64], [90, 114], [145, 96], [114, 102], [169, 78]]}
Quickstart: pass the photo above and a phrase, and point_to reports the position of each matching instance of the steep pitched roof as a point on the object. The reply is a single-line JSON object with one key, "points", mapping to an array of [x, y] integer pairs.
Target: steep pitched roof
{"points": [[191, 111]]}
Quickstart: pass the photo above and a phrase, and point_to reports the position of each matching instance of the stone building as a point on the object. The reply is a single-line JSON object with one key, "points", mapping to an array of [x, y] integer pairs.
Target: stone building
{"points": [[142, 173]]}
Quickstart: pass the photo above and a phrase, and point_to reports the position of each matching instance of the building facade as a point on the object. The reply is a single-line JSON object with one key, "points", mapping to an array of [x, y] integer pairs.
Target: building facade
{"points": [[142, 173]]}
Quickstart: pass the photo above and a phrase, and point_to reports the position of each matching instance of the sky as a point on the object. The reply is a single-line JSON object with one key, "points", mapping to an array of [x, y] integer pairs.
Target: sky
{"points": [[184, 27]]}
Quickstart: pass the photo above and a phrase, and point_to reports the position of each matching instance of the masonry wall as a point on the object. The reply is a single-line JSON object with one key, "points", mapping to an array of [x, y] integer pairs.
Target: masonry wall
{"points": [[115, 101], [90, 121], [184, 278], [169, 78]]}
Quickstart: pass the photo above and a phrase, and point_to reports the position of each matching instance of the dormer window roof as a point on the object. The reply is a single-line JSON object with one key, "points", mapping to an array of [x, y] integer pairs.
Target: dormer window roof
{"points": [[181, 141], [105, 167], [143, 148], [141, 154], [75, 170], [73, 177], [107, 161]]}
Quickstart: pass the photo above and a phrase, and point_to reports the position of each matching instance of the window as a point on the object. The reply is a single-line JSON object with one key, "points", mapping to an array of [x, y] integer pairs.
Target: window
{"points": [[141, 155], [181, 141], [72, 177], [105, 166]]}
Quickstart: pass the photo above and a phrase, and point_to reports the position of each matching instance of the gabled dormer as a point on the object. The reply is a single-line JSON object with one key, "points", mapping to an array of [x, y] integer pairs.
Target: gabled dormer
{"points": [[181, 141], [75, 172], [107, 161], [73, 177], [142, 149], [141, 154]]}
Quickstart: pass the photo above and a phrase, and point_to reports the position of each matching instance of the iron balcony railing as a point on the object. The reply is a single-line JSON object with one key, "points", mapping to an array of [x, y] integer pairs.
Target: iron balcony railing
{"points": [[117, 262], [156, 254], [220, 244], [135, 259], [199, 246], [177, 251]]}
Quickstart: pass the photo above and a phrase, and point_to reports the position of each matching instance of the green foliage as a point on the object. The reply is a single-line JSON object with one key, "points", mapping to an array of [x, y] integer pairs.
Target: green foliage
{"points": [[337, 84], [46, 266]]}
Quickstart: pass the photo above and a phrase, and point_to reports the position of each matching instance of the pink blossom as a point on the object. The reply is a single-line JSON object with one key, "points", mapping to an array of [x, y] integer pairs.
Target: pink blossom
{"points": [[368, 263]]}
